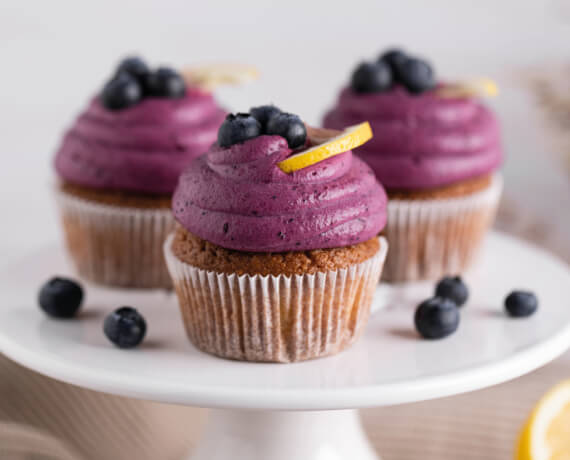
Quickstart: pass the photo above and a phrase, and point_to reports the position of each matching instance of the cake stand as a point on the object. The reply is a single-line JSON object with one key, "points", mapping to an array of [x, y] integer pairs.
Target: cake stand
{"points": [[284, 411]]}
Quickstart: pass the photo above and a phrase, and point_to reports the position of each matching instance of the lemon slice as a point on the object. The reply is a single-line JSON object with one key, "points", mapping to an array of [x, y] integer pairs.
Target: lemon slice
{"points": [[546, 435], [329, 143], [477, 87], [213, 75]]}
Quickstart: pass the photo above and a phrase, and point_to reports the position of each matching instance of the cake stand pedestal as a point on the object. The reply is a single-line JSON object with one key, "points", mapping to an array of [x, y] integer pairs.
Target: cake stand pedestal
{"points": [[278, 411], [283, 435]]}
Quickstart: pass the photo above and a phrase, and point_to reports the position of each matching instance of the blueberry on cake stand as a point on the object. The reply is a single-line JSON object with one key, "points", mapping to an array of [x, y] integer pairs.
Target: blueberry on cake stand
{"points": [[306, 410]]}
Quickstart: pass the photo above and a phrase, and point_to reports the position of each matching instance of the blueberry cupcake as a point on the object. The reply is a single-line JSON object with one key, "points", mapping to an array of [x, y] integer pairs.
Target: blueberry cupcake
{"points": [[437, 151], [118, 166], [277, 254]]}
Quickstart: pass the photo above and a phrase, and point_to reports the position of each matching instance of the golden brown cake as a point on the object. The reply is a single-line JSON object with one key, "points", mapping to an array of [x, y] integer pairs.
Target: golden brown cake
{"points": [[437, 150], [118, 166], [270, 265]]}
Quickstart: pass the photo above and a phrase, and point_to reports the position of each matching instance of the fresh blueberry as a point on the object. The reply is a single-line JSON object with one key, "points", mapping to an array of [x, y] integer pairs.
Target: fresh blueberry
{"points": [[125, 327], [395, 58], [165, 82], [436, 318], [289, 126], [372, 77], [452, 288], [521, 303], [135, 67], [263, 113], [60, 297], [238, 128], [121, 92], [416, 75]]}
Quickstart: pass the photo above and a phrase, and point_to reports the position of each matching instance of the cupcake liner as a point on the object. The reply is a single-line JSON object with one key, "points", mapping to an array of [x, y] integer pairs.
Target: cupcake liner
{"points": [[432, 238], [275, 318], [115, 245]]}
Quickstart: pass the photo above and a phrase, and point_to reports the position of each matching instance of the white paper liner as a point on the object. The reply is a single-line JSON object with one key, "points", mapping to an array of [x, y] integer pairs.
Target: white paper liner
{"points": [[433, 238], [115, 245], [275, 318]]}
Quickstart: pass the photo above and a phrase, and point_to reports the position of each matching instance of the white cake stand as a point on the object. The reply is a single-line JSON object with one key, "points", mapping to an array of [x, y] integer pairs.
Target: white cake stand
{"points": [[278, 411]]}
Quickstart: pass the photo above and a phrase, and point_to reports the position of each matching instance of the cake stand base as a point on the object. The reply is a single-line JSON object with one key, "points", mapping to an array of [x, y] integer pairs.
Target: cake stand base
{"points": [[283, 435], [389, 365]]}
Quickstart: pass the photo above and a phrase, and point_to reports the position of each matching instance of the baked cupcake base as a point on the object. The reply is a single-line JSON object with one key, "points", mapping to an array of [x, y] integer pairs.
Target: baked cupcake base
{"points": [[437, 233], [116, 238], [273, 317]]}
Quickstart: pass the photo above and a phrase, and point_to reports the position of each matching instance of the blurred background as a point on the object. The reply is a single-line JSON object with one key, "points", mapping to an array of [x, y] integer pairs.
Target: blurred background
{"points": [[55, 55]]}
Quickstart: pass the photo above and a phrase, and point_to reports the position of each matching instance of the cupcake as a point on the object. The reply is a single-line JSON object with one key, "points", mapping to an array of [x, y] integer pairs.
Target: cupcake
{"points": [[436, 150], [271, 265], [118, 166]]}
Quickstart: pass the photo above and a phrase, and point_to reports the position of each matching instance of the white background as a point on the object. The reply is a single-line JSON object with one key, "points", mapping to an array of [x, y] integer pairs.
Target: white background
{"points": [[55, 54]]}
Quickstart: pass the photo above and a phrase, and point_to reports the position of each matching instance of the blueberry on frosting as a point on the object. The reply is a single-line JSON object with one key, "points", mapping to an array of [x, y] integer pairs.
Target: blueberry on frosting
{"points": [[263, 113], [121, 92], [393, 66], [165, 82], [238, 128], [265, 119], [133, 81], [372, 77], [134, 66], [417, 75], [394, 58], [289, 126]]}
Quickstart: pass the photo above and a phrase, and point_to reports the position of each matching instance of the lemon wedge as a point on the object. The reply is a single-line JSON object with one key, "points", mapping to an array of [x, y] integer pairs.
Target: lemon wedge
{"points": [[546, 435], [213, 75], [327, 143], [477, 87]]}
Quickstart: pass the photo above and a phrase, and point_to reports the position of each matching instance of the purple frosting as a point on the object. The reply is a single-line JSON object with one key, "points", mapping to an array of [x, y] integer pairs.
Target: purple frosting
{"points": [[140, 149], [421, 141], [238, 198]]}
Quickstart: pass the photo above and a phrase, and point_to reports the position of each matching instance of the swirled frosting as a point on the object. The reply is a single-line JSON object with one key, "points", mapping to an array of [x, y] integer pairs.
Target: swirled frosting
{"points": [[421, 141], [140, 149], [238, 198]]}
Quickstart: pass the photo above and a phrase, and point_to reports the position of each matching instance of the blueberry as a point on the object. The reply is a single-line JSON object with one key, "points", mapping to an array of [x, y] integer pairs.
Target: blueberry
{"points": [[263, 113], [125, 327], [372, 77], [165, 82], [60, 297], [452, 288], [395, 58], [121, 92], [238, 128], [521, 303], [135, 67], [436, 318], [416, 75], [289, 126]]}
